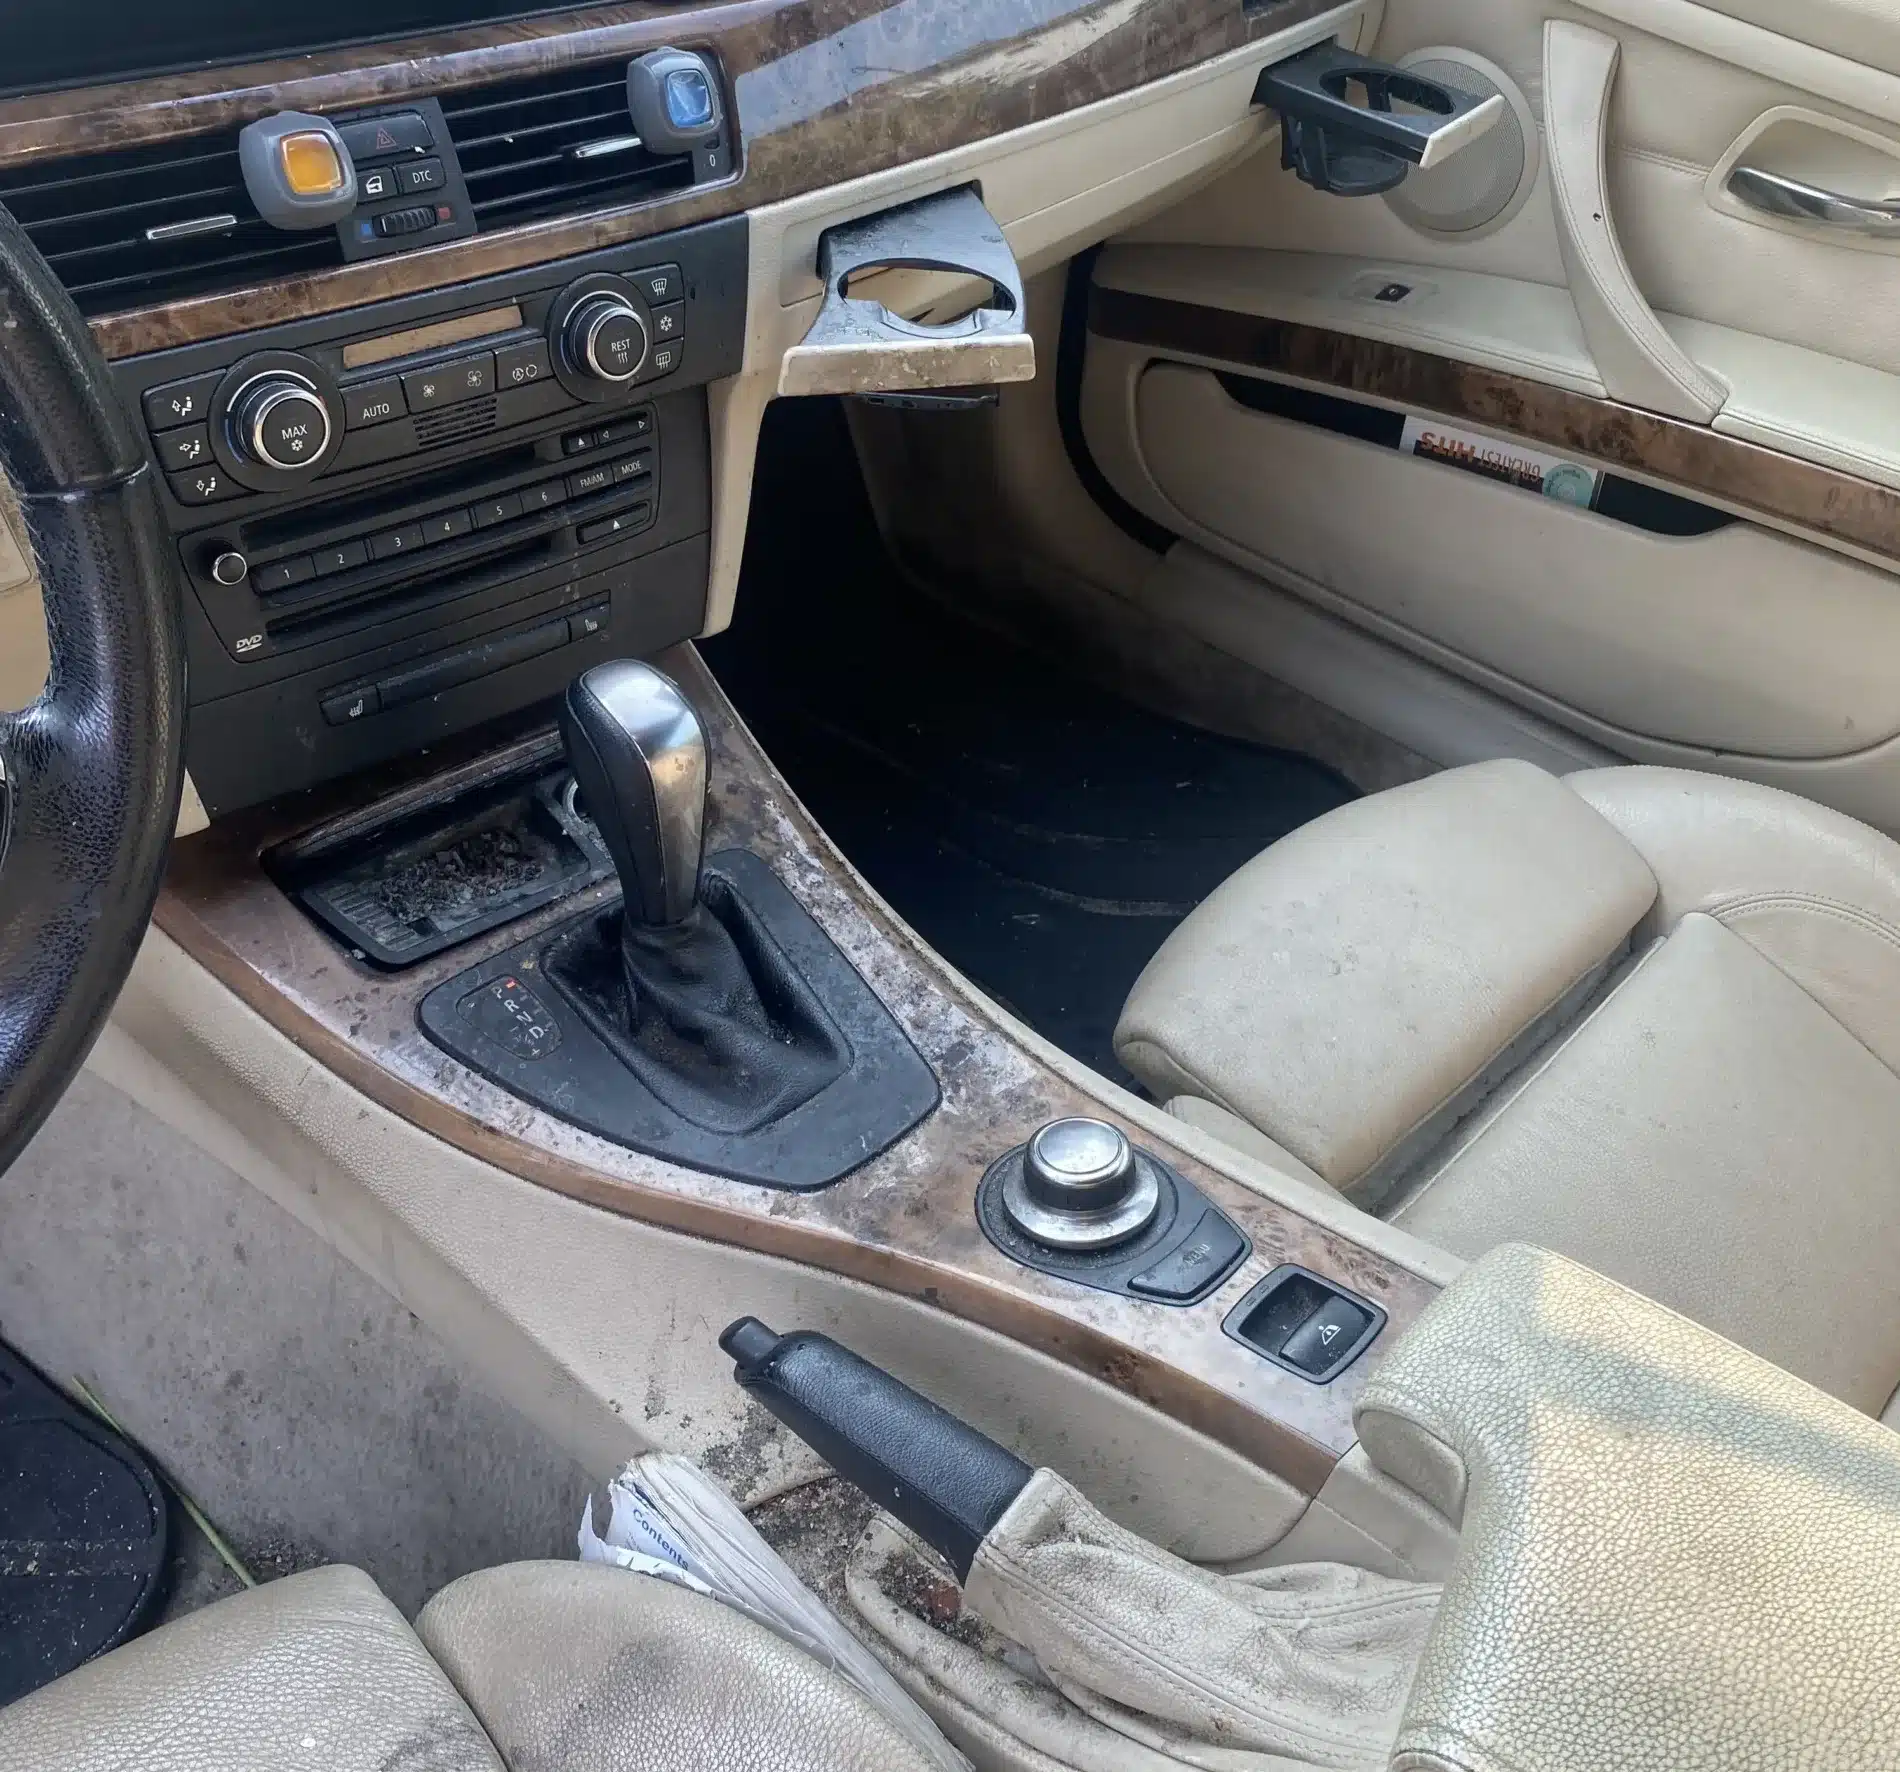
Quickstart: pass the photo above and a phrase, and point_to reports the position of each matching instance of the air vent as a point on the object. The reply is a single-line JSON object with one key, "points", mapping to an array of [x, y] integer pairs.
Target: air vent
{"points": [[555, 144], [153, 224]]}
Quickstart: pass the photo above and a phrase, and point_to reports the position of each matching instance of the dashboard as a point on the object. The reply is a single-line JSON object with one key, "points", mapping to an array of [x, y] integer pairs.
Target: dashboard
{"points": [[425, 460]]}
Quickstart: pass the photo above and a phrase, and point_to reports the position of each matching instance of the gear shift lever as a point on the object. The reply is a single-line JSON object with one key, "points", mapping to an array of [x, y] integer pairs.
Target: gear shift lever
{"points": [[639, 756]]}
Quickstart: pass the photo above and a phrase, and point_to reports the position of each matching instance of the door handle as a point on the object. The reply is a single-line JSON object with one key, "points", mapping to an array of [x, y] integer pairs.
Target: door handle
{"points": [[1772, 193]]}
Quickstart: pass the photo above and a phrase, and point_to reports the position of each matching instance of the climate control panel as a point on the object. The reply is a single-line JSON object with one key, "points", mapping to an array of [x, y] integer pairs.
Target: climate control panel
{"points": [[409, 493]]}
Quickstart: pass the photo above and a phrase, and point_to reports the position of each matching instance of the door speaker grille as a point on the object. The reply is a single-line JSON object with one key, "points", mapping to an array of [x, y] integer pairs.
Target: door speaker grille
{"points": [[1480, 188]]}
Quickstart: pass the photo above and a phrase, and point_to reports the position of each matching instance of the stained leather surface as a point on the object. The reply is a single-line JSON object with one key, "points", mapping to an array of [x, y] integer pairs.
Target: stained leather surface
{"points": [[1813, 890], [1343, 987], [577, 1667], [1673, 1554], [317, 1670], [1713, 1138], [95, 767], [1311, 1662]]}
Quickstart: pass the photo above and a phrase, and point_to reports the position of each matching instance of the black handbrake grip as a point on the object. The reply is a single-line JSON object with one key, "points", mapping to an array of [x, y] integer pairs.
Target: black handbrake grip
{"points": [[948, 1483]]}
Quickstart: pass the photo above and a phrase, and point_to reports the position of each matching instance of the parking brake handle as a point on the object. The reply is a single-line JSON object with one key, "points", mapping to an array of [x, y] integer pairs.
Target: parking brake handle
{"points": [[943, 1479]]}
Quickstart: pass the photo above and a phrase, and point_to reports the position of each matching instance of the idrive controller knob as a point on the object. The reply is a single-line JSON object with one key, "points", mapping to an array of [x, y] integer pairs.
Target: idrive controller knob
{"points": [[1081, 1186]]}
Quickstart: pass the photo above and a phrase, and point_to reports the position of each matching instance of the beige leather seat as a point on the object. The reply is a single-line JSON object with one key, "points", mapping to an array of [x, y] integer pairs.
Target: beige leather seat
{"points": [[1648, 1018], [533, 1666]]}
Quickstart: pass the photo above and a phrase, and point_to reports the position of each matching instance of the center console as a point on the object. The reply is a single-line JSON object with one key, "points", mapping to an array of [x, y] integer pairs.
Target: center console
{"points": [[398, 522]]}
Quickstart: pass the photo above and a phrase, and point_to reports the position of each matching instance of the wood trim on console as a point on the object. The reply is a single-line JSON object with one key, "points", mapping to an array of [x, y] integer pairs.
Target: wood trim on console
{"points": [[905, 1221], [825, 91], [1738, 474]]}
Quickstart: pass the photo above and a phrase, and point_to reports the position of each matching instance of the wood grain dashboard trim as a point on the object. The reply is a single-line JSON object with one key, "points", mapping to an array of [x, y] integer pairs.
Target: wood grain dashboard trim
{"points": [[825, 91], [905, 1221], [1692, 458]]}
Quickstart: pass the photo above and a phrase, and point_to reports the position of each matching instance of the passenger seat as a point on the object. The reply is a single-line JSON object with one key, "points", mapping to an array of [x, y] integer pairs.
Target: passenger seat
{"points": [[1644, 1017]]}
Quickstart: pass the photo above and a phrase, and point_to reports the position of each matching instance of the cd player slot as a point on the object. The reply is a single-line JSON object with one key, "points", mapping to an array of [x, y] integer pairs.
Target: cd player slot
{"points": [[315, 522], [416, 591]]}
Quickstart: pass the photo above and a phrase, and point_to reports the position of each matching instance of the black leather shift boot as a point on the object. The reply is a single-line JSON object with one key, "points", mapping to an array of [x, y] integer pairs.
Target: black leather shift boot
{"points": [[708, 1013]]}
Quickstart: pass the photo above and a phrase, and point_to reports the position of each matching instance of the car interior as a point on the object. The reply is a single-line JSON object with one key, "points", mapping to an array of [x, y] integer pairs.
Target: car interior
{"points": [[892, 887]]}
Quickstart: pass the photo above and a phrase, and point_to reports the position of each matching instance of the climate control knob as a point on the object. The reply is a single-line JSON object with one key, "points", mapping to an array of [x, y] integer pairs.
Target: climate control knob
{"points": [[278, 420], [605, 338]]}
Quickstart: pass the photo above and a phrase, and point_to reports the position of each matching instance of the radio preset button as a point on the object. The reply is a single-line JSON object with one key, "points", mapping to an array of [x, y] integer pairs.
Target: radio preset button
{"points": [[502, 509], [181, 402], [346, 556], [373, 403], [392, 542], [544, 497], [516, 366], [280, 575], [446, 526], [185, 448]]}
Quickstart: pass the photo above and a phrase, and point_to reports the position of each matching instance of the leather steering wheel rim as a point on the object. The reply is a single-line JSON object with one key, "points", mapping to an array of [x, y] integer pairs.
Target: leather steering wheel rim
{"points": [[93, 769]]}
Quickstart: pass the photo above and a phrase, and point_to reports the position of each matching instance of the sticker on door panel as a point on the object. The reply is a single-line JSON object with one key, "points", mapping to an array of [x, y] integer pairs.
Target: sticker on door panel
{"points": [[1549, 475]]}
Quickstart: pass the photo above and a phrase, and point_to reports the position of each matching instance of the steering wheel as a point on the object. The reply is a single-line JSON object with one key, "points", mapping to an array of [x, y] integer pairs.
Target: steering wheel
{"points": [[90, 773]]}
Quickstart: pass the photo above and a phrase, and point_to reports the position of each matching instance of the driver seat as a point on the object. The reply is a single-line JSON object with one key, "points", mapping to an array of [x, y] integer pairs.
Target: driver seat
{"points": [[528, 1666]]}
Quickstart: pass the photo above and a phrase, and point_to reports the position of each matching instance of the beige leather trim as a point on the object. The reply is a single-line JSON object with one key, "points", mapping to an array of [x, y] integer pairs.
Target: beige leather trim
{"points": [[588, 1668], [1647, 1511], [1640, 363], [313, 1670], [1230, 1128]]}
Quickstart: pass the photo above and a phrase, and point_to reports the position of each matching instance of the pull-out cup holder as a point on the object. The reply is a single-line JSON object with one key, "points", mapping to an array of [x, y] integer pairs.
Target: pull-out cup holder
{"points": [[1356, 127], [857, 345]]}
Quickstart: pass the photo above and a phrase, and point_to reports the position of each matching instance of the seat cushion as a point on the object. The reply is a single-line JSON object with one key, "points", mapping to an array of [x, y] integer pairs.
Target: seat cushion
{"points": [[1714, 1138], [1816, 892], [315, 1671], [1346, 991], [579, 1667]]}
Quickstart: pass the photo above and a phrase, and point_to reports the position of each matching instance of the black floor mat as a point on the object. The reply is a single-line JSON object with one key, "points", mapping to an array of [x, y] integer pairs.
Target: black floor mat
{"points": [[1043, 835], [83, 1533]]}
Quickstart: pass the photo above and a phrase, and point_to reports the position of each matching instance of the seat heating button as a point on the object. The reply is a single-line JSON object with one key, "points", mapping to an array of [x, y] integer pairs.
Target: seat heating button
{"points": [[1210, 1251], [588, 623], [352, 704], [1319, 1343]]}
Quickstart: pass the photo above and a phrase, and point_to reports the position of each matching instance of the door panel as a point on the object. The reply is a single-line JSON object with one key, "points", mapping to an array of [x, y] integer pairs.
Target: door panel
{"points": [[1775, 638]]}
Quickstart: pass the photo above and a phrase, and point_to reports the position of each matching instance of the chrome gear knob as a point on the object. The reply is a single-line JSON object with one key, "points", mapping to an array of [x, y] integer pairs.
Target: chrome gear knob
{"points": [[638, 753]]}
